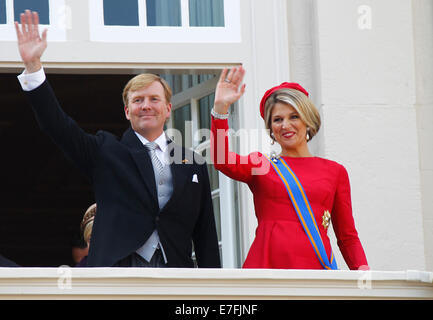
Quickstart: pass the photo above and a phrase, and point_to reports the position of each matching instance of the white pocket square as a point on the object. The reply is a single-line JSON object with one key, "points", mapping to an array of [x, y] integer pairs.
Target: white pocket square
{"points": [[194, 178]]}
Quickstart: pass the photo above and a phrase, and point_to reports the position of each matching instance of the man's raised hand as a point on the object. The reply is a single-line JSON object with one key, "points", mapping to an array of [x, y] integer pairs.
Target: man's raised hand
{"points": [[30, 44]]}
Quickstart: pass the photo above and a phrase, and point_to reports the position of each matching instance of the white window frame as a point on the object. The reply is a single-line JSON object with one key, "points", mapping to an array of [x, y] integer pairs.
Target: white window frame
{"points": [[59, 22], [142, 33]]}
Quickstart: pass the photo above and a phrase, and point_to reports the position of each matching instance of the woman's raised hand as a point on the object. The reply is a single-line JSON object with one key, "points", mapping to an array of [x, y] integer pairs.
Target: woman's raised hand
{"points": [[229, 89], [31, 46]]}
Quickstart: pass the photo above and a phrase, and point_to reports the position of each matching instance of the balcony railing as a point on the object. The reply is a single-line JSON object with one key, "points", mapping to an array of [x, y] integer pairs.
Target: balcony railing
{"points": [[209, 284]]}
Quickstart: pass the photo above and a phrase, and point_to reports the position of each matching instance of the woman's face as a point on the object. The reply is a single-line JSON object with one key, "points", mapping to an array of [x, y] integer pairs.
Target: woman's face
{"points": [[288, 128]]}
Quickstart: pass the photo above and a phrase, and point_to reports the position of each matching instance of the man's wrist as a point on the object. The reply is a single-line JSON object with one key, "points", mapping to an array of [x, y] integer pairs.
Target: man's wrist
{"points": [[32, 67], [30, 81]]}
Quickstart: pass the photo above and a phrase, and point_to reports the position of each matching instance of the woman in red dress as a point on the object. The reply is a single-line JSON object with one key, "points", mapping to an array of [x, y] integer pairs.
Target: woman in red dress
{"points": [[292, 120]]}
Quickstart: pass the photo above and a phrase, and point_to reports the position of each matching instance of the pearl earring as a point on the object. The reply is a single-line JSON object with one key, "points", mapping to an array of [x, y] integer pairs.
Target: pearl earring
{"points": [[273, 138]]}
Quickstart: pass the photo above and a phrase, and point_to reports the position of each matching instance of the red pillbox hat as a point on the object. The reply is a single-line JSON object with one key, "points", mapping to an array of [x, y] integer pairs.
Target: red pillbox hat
{"points": [[284, 85]]}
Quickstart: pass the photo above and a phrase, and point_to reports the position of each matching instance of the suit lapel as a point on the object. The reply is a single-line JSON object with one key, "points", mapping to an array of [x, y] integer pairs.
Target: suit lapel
{"points": [[144, 164], [179, 174], [142, 161]]}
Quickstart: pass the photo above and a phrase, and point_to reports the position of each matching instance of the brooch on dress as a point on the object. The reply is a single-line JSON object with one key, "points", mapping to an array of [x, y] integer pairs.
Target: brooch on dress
{"points": [[274, 157], [325, 219]]}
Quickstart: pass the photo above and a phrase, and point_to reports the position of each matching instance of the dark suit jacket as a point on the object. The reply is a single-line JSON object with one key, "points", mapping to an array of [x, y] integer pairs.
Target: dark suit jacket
{"points": [[123, 181]]}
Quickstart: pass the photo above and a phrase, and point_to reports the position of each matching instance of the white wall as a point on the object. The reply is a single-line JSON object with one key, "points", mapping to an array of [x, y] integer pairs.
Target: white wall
{"points": [[423, 35], [368, 97]]}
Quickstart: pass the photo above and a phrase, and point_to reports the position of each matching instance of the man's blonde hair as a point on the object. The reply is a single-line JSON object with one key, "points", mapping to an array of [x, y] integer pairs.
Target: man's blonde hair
{"points": [[142, 81]]}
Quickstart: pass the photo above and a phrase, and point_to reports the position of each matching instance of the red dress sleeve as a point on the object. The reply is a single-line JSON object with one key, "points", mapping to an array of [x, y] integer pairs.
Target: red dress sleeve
{"points": [[241, 168], [344, 225]]}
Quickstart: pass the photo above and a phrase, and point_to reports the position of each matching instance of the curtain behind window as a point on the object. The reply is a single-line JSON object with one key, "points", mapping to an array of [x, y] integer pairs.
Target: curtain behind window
{"points": [[163, 13], [206, 13]]}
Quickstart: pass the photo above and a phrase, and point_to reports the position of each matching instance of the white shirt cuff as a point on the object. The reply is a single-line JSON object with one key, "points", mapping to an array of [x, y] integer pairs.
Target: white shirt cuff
{"points": [[30, 81]]}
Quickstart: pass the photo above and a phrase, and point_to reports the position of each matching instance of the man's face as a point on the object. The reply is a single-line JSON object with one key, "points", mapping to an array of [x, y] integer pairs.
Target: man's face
{"points": [[147, 110]]}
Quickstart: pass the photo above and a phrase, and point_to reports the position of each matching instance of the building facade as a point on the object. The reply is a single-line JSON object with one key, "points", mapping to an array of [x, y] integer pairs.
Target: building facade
{"points": [[367, 65]]}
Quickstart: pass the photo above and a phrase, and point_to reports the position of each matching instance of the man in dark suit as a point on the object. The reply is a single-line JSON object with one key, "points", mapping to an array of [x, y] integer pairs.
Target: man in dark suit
{"points": [[153, 197]]}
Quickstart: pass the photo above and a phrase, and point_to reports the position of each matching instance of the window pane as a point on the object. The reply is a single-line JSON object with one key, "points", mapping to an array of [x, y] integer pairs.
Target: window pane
{"points": [[216, 210], [206, 13], [2, 11], [181, 115], [121, 13], [205, 105], [213, 176], [41, 6], [177, 84], [163, 13]]}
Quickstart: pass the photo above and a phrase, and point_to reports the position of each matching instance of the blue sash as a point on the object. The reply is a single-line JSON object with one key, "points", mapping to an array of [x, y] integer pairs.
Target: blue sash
{"points": [[303, 210]]}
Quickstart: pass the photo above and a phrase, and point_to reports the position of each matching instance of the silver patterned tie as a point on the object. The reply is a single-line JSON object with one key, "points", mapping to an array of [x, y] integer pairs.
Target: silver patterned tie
{"points": [[157, 165]]}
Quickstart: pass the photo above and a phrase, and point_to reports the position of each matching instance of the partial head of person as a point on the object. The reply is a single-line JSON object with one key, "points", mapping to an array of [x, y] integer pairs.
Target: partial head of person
{"points": [[290, 116], [87, 223], [147, 101]]}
